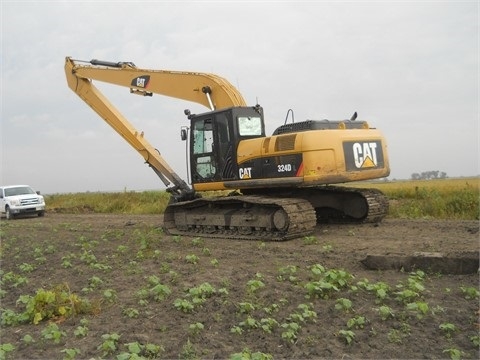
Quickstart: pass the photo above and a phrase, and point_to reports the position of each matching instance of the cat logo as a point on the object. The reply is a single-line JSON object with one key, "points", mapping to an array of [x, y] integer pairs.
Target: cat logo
{"points": [[245, 173], [141, 81], [363, 155]]}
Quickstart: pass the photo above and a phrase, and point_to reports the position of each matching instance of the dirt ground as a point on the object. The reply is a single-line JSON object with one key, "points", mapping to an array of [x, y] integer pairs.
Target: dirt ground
{"points": [[267, 298]]}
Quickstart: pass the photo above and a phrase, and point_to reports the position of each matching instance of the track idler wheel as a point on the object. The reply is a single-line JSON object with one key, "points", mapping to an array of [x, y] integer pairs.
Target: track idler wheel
{"points": [[280, 220]]}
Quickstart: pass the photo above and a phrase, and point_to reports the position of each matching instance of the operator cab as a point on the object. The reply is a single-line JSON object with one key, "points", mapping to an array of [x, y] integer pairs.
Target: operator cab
{"points": [[214, 138]]}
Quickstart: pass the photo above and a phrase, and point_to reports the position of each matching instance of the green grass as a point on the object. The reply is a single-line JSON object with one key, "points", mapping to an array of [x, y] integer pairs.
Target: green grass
{"points": [[146, 202], [432, 199], [413, 199]]}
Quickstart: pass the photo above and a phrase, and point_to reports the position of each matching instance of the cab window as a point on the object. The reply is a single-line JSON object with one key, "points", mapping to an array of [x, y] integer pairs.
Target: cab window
{"points": [[249, 126], [202, 137], [203, 159]]}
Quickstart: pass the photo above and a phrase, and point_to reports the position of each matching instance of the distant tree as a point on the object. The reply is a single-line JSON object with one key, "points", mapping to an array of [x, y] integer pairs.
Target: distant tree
{"points": [[428, 175]]}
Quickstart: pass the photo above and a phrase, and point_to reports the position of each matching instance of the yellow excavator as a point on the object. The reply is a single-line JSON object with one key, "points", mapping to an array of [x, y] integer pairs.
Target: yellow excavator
{"points": [[280, 185]]}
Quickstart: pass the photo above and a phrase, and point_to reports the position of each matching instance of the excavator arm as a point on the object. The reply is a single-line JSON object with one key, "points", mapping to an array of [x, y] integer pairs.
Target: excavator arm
{"points": [[207, 89]]}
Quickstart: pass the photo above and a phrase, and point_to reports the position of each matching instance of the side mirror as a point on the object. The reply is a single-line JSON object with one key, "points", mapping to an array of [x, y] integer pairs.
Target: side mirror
{"points": [[184, 133], [38, 192]]}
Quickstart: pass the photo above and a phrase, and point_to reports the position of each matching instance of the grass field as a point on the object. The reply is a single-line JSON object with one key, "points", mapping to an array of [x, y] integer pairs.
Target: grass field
{"points": [[434, 199], [415, 199]]}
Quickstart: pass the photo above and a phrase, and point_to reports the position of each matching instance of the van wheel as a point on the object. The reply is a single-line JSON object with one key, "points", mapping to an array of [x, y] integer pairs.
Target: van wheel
{"points": [[41, 213], [8, 213]]}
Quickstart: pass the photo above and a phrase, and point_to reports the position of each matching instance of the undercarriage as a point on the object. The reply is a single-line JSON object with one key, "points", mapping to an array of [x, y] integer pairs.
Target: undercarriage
{"points": [[275, 215]]}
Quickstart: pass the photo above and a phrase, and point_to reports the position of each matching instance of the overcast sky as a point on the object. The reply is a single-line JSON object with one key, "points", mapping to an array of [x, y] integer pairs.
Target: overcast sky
{"points": [[409, 68]]}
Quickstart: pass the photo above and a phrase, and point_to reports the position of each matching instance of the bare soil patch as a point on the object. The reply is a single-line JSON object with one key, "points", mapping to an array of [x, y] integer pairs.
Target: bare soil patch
{"points": [[125, 251]]}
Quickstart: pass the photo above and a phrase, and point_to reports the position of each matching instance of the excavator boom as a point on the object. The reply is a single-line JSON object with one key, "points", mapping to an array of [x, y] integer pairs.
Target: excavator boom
{"points": [[207, 89]]}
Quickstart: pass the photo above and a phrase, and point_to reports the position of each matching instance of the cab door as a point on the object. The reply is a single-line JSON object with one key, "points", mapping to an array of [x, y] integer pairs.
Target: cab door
{"points": [[212, 148], [203, 164]]}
